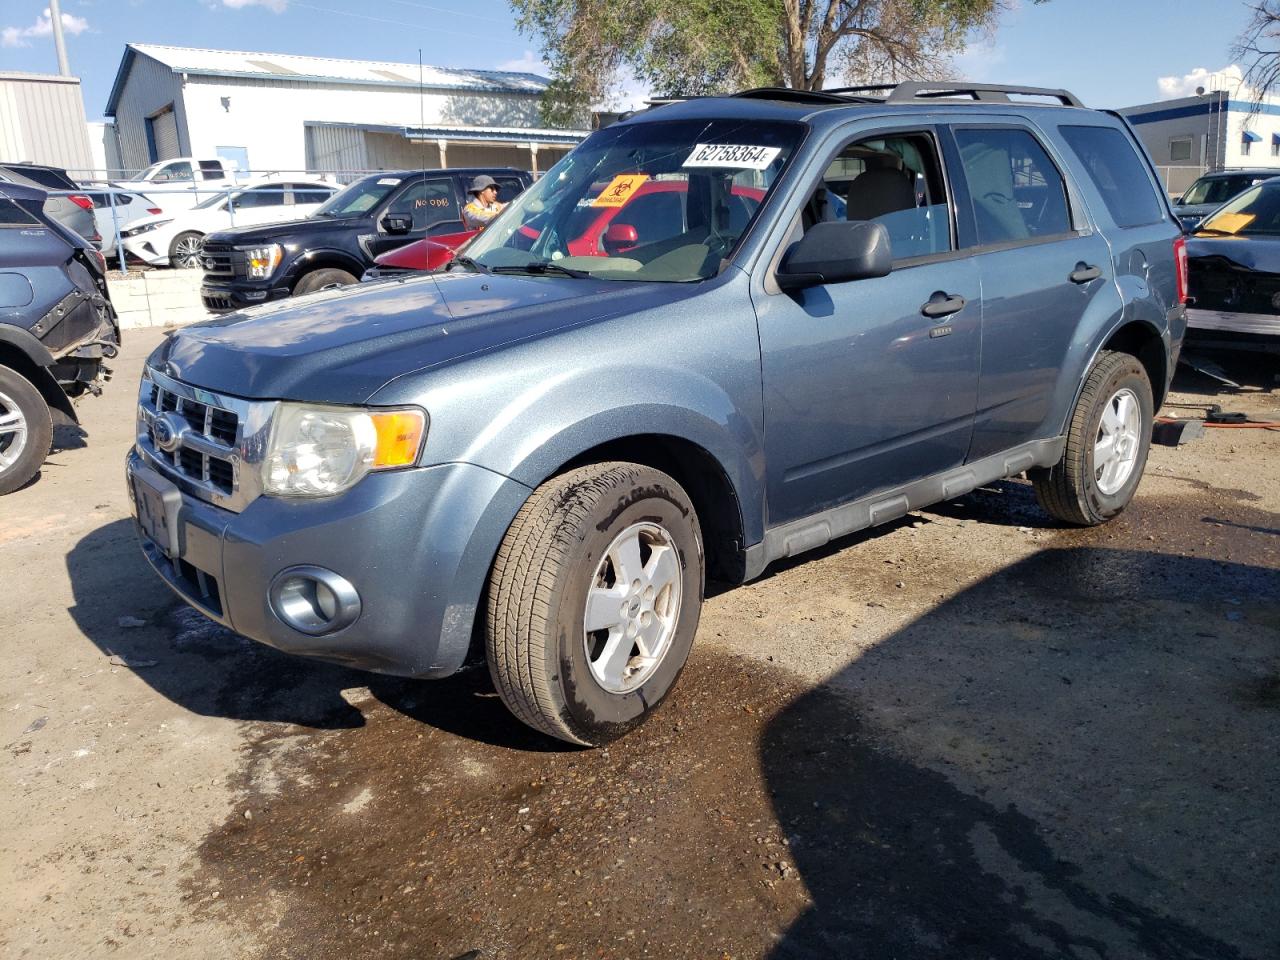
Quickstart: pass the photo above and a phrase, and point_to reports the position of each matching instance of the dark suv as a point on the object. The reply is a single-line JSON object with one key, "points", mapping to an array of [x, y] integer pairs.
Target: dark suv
{"points": [[338, 242], [56, 329], [855, 304]]}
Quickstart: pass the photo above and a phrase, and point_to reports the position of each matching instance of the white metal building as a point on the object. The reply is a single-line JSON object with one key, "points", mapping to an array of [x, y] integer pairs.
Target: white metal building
{"points": [[42, 121], [1212, 131], [271, 111]]}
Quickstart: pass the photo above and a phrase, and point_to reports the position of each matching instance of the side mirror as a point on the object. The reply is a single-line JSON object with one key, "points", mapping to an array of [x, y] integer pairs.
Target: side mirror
{"points": [[836, 252], [621, 235], [397, 223]]}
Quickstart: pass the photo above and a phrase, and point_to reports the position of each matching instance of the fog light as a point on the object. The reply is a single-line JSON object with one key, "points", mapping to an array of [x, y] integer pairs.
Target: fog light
{"points": [[255, 294], [313, 600]]}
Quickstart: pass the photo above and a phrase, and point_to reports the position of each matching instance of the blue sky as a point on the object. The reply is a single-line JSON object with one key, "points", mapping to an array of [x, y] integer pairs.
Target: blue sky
{"points": [[1109, 52]]}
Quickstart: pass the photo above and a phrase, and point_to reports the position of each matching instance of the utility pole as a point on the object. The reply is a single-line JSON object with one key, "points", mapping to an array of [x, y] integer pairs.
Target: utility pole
{"points": [[55, 14]]}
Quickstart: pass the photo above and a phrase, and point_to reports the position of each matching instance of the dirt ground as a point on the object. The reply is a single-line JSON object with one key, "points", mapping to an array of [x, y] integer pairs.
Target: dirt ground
{"points": [[971, 734]]}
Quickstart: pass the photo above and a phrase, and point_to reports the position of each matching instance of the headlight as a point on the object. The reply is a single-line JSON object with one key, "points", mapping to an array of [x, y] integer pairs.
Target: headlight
{"points": [[318, 451], [260, 262], [144, 228]]}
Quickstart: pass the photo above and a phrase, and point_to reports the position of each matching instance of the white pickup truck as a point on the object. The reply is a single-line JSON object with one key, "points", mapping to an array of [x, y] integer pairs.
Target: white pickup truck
{"points": [[179, 183]]}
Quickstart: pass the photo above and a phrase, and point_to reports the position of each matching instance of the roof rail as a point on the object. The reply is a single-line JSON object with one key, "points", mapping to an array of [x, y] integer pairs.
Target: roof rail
{"points": [[798, 96], [980, 92]]}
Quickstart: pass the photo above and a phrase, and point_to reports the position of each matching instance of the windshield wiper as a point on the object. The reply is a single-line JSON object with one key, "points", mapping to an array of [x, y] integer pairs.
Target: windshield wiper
{"points": [[543, 267], [465, 261]]}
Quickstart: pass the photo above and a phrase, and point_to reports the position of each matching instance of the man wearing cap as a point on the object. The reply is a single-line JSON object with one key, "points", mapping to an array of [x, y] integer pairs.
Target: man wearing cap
{"points": [[484, 205]]}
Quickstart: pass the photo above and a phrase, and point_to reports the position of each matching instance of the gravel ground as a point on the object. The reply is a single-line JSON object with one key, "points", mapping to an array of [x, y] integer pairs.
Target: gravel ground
{"points": [[970, 734]]}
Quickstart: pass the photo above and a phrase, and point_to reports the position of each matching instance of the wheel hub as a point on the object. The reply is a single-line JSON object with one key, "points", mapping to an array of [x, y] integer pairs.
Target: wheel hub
{"points": [[1115, 449], [13, 432], [633, 607]]}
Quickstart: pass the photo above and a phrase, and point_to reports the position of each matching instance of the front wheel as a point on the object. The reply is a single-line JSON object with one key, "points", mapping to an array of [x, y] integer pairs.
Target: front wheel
{"points": [[593, 601], [26, 430], [185, 252], [1107, 444], [323, 279]]}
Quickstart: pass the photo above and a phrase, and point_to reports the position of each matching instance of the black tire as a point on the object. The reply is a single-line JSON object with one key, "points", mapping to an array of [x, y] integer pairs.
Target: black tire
{"points": [[535, 641], [184, 250], [17, 395], [322, 279], [1070, 489]]}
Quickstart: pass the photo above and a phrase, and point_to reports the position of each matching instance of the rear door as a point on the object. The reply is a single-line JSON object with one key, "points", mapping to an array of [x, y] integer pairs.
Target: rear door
{"points": [[1041, 263], [863, 391]]}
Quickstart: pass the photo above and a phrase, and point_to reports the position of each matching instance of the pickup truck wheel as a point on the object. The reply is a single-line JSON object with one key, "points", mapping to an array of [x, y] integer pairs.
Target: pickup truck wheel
{"points": [[322, 280], [593, 601], [26, 430], [185, 251], [1107, 444]]}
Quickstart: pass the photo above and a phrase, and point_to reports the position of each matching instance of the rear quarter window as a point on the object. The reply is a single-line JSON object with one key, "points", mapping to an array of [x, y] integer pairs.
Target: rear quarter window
{"points": [[1115, 168], [12, 215]]}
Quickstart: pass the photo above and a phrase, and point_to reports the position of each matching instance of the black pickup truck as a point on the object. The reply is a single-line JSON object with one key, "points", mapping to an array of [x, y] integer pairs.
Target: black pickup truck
{"points": [[337, 243]]}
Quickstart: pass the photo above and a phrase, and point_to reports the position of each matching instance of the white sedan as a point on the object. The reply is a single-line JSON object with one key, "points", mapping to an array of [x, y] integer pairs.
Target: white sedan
{"points": [[174, 239]]}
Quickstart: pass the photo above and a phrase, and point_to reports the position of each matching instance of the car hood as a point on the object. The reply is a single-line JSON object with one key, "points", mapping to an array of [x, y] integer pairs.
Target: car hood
{"points": [[1251, 253], [1196, 209], [314, 226], [342, 345]]}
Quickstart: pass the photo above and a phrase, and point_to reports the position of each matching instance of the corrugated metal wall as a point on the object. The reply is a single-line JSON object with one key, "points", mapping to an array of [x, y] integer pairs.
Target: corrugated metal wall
{"points": [[330, 149], [42, 120], [149, 88]]}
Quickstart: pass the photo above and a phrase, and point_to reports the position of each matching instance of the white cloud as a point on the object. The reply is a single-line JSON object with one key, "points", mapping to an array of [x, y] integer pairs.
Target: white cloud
{"points": [[1228, 78], [275, 6], [529, 63], [43, 27]]}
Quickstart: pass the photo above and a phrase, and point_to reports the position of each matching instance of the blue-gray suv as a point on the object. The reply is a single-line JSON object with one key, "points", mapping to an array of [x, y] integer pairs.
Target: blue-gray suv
{"points": [[833, 308]]}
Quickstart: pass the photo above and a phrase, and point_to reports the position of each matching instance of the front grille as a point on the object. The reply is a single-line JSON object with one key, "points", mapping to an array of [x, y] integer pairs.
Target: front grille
{"points": [[210, 444], [219, 260]]}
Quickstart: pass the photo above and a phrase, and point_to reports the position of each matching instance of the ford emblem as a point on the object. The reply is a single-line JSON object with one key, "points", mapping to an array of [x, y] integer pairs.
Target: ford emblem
{"points": [[208, 263]]}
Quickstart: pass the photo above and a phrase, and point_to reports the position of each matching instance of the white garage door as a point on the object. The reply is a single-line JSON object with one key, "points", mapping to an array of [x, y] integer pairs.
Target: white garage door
{"points": [[164, 127]]}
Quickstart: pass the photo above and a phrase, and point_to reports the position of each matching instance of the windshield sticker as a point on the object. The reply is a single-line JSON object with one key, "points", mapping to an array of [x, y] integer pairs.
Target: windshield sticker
{"points": [[388, 181], [620, 189], [735, 155]]}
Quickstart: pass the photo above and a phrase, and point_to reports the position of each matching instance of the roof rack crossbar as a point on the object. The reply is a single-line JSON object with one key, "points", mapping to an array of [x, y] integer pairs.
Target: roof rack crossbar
{"points": [[980, 92], [794, 95]]}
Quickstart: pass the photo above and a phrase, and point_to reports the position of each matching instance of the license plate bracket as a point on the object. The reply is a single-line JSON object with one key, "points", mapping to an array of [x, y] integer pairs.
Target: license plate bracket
{"points": [[157, 507]]}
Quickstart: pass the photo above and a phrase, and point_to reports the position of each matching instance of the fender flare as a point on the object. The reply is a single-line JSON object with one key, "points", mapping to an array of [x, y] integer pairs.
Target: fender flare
{"points": [[1112, 329], [36, 369]]}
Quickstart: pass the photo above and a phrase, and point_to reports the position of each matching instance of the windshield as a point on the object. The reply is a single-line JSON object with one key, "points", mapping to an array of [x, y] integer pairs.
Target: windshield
{"points": [[1256, 212], [213, 201], [1219, 189], [647, 201], [360, 197]]}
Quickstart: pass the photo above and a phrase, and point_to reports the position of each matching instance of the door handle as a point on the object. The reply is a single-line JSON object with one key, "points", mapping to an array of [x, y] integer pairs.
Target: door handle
{"points": [[942, 305], [1084, 272]]}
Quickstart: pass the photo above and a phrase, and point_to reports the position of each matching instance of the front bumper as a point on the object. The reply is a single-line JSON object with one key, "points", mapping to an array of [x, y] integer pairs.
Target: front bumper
{"points": [[223, 298], [416, 544], [145, 248]]}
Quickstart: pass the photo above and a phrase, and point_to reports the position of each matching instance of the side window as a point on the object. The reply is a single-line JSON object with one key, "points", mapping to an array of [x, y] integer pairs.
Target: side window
{"points": [[1117, 172], [267, 196], [211, 170], [1018, 194], [656, 216], [306, 193], [12, 215], [174, 171], [895, 180], [508, 188], [431, 202]]}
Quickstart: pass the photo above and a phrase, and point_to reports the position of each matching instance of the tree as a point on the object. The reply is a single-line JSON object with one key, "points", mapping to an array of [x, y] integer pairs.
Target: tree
{"points": [[1259, 48], [690, 47]]}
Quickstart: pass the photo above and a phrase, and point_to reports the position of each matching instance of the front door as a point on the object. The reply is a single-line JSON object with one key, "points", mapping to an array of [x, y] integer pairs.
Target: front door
{"points": [[873, 383], [432, 205]]}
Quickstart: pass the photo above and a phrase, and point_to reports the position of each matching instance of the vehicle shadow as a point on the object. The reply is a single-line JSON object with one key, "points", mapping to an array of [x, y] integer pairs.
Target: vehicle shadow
{"points": [[131, 616], [1068, 759]]}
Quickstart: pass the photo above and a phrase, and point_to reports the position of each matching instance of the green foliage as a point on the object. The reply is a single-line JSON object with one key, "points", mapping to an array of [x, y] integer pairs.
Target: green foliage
{"points": [[691, 47]]}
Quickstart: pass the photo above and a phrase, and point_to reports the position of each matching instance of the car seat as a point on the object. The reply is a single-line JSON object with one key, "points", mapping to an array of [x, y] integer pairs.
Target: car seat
{"points": [[883, 187]]}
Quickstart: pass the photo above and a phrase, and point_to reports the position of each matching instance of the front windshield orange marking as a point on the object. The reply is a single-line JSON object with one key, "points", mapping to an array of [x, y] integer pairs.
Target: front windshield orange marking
{"points": [[1230, 222], [619, 190]]}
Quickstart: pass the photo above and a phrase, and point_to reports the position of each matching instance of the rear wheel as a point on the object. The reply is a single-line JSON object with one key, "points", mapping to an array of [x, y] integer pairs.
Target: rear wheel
{"points": [[593, 601], [323, 279], [1107, 444], [26, 430], [185, 250]]}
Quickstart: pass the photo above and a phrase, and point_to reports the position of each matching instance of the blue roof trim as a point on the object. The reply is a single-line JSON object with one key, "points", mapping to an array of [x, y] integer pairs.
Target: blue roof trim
{"points": [[487, 136], [117, 87], [1201, 109]]}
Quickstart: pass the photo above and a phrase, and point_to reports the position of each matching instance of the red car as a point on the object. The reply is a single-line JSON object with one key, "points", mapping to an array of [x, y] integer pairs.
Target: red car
{"points": [[654, 211]]}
